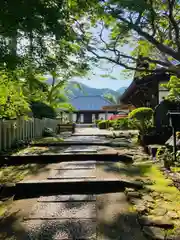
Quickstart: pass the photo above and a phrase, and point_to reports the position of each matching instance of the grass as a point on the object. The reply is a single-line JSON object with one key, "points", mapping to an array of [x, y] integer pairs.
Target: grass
{"points": [[13, 174], [47, 140], [4, 206], [31, 150]]}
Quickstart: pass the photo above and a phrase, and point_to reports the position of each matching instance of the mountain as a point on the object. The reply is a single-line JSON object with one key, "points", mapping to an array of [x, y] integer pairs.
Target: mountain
{"points": [[84, 90], [73, 91], [121, 90]]}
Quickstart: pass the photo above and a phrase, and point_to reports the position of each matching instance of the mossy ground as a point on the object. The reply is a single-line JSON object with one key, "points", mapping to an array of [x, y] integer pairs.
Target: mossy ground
{"points": [[47, 140], [164, 194]]}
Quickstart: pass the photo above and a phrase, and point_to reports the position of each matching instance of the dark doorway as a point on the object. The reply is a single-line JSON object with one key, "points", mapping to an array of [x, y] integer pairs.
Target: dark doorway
{"points": [[87, 117]]}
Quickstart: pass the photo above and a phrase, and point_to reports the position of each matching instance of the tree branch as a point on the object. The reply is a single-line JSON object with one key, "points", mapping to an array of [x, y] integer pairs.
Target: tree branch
{"points": [[119, 54], [90, 49], [174, 23], [161, 47]]}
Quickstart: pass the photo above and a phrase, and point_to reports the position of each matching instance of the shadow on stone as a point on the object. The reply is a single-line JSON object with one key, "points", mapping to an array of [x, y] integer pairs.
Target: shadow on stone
{"points": [[59, 230], [131, 170], [10, 228], [124, 227]]}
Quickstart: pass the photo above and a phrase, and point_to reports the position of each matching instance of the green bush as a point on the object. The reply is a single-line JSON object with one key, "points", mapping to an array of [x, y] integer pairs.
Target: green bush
{"points": [[97, 121], [122, 124], [165, 155], [48, 132], [42, 110], [141, 119], [103, 124]]}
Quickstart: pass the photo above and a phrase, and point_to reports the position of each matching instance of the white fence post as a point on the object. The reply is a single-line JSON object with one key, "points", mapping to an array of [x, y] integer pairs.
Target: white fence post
{"points": [[12, 131]]}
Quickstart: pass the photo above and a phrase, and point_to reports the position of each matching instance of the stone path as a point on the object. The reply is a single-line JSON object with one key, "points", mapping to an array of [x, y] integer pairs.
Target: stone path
{"points": [[102, 216], [91, 132]]}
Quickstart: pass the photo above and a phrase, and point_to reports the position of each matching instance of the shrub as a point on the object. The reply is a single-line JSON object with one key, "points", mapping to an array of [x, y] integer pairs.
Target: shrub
{"points": [[122, 123], [42, 110], [97, 121], [48, 132], [165, 155], [141, 119], [103, 124]]}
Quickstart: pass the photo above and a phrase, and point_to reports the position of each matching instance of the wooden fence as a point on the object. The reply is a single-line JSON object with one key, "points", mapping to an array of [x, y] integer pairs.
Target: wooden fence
{"points": [[13, 131]]}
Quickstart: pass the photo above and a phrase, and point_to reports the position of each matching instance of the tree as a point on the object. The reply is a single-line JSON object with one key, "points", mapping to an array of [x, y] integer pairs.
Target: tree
{"points": [[38, 39], [174, 89], [150, 27], [29, 31], [13, 102], [110, 98], [27, 27]]}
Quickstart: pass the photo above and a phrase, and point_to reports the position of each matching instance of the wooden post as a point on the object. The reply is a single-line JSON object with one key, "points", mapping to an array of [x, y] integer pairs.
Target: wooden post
{"points": [[0, 135], [174, 143], [4, 136]]}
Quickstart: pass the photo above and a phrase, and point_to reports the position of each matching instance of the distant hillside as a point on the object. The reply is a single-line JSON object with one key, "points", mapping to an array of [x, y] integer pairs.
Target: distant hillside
{"points": [[84, 90], [121, 90], [74, 91]]}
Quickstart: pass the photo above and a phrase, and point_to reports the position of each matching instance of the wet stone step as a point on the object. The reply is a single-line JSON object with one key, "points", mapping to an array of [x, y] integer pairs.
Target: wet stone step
{"points": [[63, 210], [71, 173], [67, 198], [67, 229], [75, 149], [85, 139], [76, 165]]}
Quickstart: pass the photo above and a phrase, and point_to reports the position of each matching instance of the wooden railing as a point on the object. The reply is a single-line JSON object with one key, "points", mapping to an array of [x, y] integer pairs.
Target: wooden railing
{"points": [[14, 131]]}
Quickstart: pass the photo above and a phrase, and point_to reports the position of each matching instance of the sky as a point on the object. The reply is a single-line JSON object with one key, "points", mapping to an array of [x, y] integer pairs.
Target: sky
{"points": [[95, 78]]}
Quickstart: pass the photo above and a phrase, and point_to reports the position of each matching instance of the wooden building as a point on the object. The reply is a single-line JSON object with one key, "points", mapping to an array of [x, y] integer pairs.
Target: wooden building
{"points": [[89, 109], [146, 91]]}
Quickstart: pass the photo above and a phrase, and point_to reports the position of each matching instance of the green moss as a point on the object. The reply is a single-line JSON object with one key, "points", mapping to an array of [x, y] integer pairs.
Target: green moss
{"points": [[47, 140], [3, 209], [29, 150], [14, 174], [175, 169], [160, 183]]}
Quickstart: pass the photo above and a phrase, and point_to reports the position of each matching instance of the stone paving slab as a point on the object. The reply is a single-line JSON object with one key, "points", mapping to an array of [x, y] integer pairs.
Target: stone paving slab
{"points": [[76, 165], [74, 229], [68, 198], [85, 139], [71, 173], [63, 210], [79, 149]]}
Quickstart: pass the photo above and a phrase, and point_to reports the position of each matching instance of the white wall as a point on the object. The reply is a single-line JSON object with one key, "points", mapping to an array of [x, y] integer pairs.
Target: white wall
{"points": [[163, 92], [82, 118], [162, 95], [74, 117], [102, 115]]}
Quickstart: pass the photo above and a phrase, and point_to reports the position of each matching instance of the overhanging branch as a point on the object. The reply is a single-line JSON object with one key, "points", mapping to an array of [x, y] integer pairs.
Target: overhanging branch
{"points": [[160, 46], [160, 70], [174, 23]]}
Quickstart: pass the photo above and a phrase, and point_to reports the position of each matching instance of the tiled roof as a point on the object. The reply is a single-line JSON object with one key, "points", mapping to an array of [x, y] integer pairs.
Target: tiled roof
{"points": [[89, 103]]}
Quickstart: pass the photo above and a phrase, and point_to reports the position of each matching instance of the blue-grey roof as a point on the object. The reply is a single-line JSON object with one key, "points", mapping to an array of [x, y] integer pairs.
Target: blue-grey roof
{"points": [[89, 103], [175, 62]]}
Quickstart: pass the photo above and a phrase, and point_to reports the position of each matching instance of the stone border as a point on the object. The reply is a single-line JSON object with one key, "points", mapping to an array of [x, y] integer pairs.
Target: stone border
{"points": [[172, 176], [47, 159], [34, 189], [72, 143], [154, 229]]}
